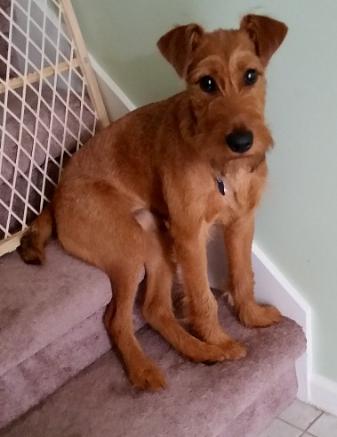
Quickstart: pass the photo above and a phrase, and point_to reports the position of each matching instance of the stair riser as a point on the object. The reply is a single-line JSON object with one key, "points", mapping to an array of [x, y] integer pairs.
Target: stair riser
{"points": [[231, 399], [268, 405], [34, 379], [37, 377]]}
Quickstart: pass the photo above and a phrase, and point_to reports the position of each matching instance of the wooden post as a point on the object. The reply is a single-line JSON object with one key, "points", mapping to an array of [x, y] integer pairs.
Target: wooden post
{"points": [[82, 54], [11, 243]]}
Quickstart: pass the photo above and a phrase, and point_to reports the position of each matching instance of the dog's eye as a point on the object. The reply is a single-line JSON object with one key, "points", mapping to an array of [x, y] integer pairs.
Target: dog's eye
{"points": [[250, 76], [208, 84]]}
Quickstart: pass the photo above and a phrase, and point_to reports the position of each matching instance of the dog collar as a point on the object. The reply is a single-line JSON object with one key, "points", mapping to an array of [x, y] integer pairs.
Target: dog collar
{"points": [[220, 185]]}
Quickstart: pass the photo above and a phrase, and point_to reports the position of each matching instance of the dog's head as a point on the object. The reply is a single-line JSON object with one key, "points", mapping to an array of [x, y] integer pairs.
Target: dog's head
{"points": [[225, 75]]}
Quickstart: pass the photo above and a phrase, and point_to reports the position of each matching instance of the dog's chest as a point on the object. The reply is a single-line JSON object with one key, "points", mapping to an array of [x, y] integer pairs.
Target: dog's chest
{"points": [[234, 195]]}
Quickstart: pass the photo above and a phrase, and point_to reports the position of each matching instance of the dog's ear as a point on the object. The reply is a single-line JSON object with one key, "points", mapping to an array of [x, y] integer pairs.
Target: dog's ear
{"points": [[178, 44], [266, 33]]}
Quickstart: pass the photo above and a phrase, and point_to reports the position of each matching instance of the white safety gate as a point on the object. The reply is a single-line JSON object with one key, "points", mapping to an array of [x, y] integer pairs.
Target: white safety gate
{"points": [[49, 106]]}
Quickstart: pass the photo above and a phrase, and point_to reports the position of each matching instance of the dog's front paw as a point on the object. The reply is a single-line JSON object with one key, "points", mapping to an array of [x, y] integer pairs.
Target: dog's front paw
{"points": [[259, 316], [233, 350], [147, 377], [205, 353]]}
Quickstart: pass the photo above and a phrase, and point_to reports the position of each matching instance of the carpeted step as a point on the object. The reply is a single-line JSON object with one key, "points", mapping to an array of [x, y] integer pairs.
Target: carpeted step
{"points": [[227, 399], [50, 326]]}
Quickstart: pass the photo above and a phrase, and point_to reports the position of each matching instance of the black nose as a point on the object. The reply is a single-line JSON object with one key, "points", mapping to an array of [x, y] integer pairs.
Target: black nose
{"points": [[240, 140]]}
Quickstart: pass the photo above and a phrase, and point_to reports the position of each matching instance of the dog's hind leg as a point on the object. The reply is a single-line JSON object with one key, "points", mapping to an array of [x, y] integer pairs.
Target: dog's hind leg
{"points": [[124, 275], [143, 373], [102, 230]]}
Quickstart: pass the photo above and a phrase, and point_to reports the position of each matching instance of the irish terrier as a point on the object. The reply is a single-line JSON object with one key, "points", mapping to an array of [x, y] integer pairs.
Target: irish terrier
{"points": [[189, 161]]}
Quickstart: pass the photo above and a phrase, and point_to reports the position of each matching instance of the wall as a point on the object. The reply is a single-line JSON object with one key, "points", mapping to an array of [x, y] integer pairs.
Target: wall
{"points": [[297, 224]]}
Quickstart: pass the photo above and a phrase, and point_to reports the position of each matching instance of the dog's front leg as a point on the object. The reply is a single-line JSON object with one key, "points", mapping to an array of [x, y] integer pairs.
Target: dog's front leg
{"points": [[238, 241], [190, 249]]}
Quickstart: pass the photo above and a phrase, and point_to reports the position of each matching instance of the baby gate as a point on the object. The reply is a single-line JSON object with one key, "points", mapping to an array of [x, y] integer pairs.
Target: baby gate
{"points": [[50, 104]]}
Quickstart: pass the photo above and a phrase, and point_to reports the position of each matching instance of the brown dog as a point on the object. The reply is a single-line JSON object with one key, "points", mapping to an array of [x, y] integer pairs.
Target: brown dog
{"points": [[192, 160]]}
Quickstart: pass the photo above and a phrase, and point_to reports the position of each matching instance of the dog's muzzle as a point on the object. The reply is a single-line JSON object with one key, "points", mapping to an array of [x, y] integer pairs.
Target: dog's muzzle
{"points": [[239, 141]]}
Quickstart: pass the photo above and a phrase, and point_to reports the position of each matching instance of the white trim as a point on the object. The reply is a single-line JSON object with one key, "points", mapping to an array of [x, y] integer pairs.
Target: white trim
{"points": [[324, 393], [271, 285], [70, 19], [116, 101]]}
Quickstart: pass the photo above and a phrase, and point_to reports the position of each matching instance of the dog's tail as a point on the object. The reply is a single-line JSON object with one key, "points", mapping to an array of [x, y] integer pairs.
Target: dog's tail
{"points": [[35, 238]]}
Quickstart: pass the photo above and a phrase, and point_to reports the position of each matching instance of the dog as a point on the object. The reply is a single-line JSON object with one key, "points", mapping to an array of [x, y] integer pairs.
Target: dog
{"points": [[190, 161]]}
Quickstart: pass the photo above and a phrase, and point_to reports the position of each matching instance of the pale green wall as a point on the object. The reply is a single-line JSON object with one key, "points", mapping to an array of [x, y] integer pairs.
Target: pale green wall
{"points": [[297, 225]]}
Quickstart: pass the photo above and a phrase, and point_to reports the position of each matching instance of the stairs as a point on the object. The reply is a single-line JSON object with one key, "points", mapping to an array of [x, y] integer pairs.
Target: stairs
{"points": [[50, 326], [51, 330]]}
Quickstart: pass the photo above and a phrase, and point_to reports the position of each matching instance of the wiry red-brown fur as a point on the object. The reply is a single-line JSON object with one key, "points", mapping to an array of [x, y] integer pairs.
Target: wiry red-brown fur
{"points": [[158, 165]]}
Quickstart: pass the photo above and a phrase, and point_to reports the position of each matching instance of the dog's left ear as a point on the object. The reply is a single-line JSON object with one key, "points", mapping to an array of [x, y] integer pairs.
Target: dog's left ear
{"points": [[178, 45], [266, 33]]}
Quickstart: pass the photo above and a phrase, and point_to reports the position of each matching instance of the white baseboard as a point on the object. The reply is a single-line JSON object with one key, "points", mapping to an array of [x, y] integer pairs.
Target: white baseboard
{"points": [[116, 101], [324, 393], [271, 285]]}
